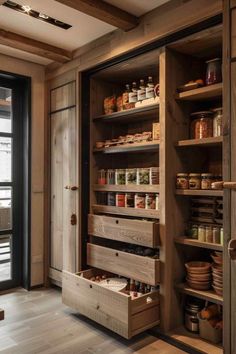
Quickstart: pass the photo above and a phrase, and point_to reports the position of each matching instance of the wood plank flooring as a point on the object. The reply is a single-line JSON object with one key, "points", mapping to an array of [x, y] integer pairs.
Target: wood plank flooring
{"points": [[37, 322]]}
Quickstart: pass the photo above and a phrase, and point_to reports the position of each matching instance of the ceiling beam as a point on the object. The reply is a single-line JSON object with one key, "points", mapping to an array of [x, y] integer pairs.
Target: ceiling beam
{"points": [[32, 46], [104, 12]]}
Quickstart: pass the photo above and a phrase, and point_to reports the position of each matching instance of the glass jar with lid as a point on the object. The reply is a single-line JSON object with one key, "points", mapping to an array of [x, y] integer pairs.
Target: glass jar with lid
{"points": [[202, 125], [217, 121], [182, 181], [194, 181], [213, 71], [207, 179]]}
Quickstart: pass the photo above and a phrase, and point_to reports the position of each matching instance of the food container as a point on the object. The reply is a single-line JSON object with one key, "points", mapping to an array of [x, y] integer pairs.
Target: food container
{"points": [[193, 231], [207, 179], [216, 234], [99, 144], [213, 71], [208, 332], [201, 233], [209, 234], [154, 175], [217, 122], [194, 181], [111, 198], [111, 176], [131, 176], [110, 104], [157, 201], [150, 201], [143, 176], [182, 181], [139, 201], [129, 200], [120, 199], [221, 236], [156, 131], [202, 125], [119, 104], [102, 177], [102, 198], [120, 176], [191, 315]]}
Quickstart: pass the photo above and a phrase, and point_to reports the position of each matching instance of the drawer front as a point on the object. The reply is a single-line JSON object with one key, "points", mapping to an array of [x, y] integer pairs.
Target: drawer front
{"points": [[144, 233], [143, 269]]}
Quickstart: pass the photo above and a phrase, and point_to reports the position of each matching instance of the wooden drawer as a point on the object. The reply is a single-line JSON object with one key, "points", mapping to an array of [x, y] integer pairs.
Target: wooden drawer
{"points": [[138, 232], [143, 269], [114, 310]]}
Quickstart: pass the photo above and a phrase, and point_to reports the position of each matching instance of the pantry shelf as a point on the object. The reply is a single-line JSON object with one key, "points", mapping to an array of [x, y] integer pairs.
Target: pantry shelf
{"points": [[142, 113], [208, 295], [202, 93], [196, 243], [105, 209], [148, 146], [200, 192], [131, 188], [214, 141]]}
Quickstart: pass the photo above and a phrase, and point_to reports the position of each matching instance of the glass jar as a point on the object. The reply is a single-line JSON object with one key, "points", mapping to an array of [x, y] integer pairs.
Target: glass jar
{"points": [[213, 71], [150, 201], [221, 236], [111, 198], [217, 122], [201, 233], [182, 181], [193, 231], [120, 199], [209, 234], [216, 234], [157, 201], [202, 125], [194, 181], [111, 176], [120, 176], [131, 176], [143, 176], [207, 179], [139, 201], [129, 200], [102, 177]]}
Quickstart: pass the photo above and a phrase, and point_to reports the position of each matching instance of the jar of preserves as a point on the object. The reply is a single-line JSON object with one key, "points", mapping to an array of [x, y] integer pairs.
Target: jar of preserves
{"points": [[182, 181], [193, 232], [213, 71], [150, 201], [216, 234], [201, 233], [194, 181], [131, 176], [202, 125], [207, 180], [217, 122], [111, 176], [129, 200], [209, 234], [120, 176], [102, 177], [139, 201], [120, 199]]}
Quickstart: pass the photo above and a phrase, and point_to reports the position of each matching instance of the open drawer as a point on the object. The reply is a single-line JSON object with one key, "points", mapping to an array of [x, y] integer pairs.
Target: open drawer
{"points": [[114, 310], [143, 269], [138, 232]]}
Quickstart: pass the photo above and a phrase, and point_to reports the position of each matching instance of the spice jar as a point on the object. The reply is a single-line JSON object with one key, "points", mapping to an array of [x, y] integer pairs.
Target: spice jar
{"points": [[120, 199], [217, 122], [216, 234], [209, 234], [194, 181], [143, 176], [201, 233], [150, 201], [111, 198], [213, 71], [131, 176], [111, 176], [102, 177], [120, 176], [139, 201], [207, 179], [182, 181], [129, 200], [202, 125]]}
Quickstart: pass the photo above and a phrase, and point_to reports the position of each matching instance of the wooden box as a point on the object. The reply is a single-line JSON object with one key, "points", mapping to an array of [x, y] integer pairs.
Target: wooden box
{"points": [[114, 310], [143, 269], [138, 232]]}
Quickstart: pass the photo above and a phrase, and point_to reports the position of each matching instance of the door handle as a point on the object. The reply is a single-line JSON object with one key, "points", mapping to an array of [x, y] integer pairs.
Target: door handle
{"points": [[232, 249], [73, 188], [73, 219], [225, 185]]}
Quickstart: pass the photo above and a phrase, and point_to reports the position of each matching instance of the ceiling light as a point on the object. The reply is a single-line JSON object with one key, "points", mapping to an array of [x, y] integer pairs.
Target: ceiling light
{"points": [[26, 8]]}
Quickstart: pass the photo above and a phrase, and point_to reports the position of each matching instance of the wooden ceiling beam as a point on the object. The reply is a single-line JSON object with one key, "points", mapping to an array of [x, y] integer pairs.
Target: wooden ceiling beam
{"points": [[104, 12], [33, 46]]}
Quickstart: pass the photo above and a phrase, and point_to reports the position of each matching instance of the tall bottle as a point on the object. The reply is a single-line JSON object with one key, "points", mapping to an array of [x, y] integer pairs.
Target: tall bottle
{"points": [[150, 88], [133, 95], [141, 91], [125, 96]]}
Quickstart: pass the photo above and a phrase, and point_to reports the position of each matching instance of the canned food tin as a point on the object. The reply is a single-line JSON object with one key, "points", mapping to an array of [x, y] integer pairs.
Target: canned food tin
{"points": [[102, 177], [129, 200], [111, 176], [120, 199], [131, 176], [150, 201], [111, 198], [120, 176], [139, 201]]}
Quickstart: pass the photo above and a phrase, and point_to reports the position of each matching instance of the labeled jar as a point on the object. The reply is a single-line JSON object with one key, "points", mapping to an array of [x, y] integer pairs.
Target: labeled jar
{"points": [[120, 199], [111, 199], [150, 201], [102, 198], [213, 71], [202, 125], [143, 176], [216, 234], [111, 176], [120, 176], [209, 234], [182, 181], [193, 232], [129, 200], [207, 180], [139, 201], [217, 121], [201, 233], [154, 175], [131, 176], [194, 181], [102, 177]]}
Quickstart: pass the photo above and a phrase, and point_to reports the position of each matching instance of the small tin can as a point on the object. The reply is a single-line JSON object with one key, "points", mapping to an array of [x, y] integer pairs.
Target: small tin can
{"points": [[120, 199], [111, 176], [111, 198], [102, 177], [143, 176], [150, 201], [120, 176], [154, 175], [139, 201], [131, 176], [216, 234], [102, 198], [129, 200]]}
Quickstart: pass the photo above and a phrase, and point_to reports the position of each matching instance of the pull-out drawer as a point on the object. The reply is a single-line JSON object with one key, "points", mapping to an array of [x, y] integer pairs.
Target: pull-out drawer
{"points": [[114, 310], [138, 232], [143, 269]]}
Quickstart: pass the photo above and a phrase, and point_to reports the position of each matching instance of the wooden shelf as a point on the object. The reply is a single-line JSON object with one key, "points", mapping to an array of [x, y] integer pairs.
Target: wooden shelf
{"points": [[214, 141], [147, 146], [181, 335], [200, 192], [196, 243], [202, 93], [105, 209], [143, 113], [208, 295], [131, 188]]}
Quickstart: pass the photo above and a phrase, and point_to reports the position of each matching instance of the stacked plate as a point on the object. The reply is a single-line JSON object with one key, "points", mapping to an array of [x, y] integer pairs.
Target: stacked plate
{"points": [[217, 272], [199, 275]]}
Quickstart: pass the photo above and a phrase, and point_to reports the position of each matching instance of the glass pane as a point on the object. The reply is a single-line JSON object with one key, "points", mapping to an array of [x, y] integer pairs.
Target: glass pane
{"points": [[5, 208], [5, 257], [5, 159], [5, 110]]}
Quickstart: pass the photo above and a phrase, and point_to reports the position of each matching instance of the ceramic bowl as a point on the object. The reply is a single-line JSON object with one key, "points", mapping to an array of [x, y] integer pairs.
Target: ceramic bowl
{"points": [[199, 285], [199, 277], [219, 291], [198, 267]]}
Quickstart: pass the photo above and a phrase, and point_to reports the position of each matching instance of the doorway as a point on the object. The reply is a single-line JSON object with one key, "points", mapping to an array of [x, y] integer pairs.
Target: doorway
{"points": [[14, 182]]}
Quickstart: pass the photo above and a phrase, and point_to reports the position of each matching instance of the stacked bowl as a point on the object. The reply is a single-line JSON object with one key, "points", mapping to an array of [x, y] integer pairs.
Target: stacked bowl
{"points": [[217, 272], [199, 275]]}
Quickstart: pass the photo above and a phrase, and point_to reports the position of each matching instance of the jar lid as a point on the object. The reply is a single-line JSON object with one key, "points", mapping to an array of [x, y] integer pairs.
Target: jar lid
{"points": [[182, 174], [207, 175], [201, 113], [195, 175]]}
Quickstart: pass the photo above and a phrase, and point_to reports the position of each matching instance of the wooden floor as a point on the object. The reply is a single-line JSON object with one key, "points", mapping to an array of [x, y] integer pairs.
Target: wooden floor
{"points": [[37, 322]]}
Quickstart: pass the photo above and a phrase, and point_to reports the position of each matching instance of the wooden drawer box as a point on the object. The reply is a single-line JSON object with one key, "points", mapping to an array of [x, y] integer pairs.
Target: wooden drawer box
{"points": [[138, 232], [143, 269], [114, 310]]}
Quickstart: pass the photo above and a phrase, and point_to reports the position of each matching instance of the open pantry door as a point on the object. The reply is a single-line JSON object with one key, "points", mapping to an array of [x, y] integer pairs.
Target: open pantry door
{"points": [[229, 131]]}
